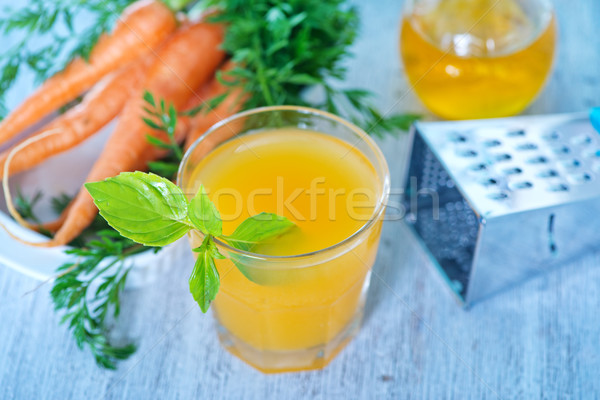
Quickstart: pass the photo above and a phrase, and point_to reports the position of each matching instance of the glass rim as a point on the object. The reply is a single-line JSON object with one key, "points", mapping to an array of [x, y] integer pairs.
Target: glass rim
{"points": [[381, 201]]}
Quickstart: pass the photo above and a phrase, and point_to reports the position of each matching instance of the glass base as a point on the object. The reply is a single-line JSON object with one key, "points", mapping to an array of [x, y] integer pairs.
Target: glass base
{"points": [[269, 361]]}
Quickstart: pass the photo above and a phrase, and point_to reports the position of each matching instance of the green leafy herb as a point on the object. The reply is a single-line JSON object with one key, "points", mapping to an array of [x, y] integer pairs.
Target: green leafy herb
{"points": [[25, 206], [163, 118], [88, 292], [60, 202], [157, 224], [281, 48]]}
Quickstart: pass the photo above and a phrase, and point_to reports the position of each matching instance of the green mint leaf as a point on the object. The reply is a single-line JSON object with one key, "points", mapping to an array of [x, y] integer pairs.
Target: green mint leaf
{"points": [[142, 207], [204, 280], [258, 228], [204, 214]]}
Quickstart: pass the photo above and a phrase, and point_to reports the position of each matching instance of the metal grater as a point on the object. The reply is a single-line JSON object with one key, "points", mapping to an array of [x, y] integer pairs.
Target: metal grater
{"points": [[496, 201]]}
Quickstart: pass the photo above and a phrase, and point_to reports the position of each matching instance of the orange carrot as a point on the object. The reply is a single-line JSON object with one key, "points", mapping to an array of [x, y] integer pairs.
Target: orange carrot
{"points": [[189, 58], [100, 106], [202, 121], [142, 28]]}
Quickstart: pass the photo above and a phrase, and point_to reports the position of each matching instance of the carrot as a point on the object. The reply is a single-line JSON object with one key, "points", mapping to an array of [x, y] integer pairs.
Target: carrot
{"points": [[99, 107], [188, 59], [142, 28], [184, 124], [202, 121]]}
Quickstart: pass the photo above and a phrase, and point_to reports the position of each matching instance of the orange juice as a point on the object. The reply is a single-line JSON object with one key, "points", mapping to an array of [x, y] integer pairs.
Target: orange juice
{"points": [[330, 190], [477, 58]]}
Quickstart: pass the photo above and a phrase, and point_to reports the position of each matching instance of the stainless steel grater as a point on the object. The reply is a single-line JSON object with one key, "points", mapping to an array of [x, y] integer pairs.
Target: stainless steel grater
{"points": [[496, 201]]}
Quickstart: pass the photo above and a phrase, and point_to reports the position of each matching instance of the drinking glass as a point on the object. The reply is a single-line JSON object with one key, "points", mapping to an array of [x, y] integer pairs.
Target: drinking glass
{"points": [[291, 312]]}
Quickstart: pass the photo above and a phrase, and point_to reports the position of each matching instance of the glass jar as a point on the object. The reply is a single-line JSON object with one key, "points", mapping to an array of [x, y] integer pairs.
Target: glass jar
{"points": [[469, 59]]}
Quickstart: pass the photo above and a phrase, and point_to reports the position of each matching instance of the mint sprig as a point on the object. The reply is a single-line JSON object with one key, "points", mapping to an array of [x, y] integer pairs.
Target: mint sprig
{"points": [[153, 211]]}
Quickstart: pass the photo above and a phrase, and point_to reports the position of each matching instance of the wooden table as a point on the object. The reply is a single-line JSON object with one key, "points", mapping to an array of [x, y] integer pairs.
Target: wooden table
{"points": [[540, 340]]}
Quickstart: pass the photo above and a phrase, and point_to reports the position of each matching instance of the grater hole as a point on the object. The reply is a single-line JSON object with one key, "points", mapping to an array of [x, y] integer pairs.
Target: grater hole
{"points": [[457, 137], [492, 143], [489, 182], [538, 160], [581, 140], [516, 133], [503, 157], [521, 185], [561, 150], [552, 136], [513, 171], [527, 146], [498, 196], [579, 178], [571, 164], [467, 153], [478, 167], [561, 187], [549, 173]]}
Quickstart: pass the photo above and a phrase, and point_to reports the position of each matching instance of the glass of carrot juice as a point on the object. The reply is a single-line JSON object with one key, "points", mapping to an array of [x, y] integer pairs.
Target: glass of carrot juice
{"points": [[294, 302]]}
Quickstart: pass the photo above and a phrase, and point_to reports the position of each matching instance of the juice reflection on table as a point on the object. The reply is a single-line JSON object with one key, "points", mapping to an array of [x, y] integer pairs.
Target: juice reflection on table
{"points": [[285, 317], [477, 58]]}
